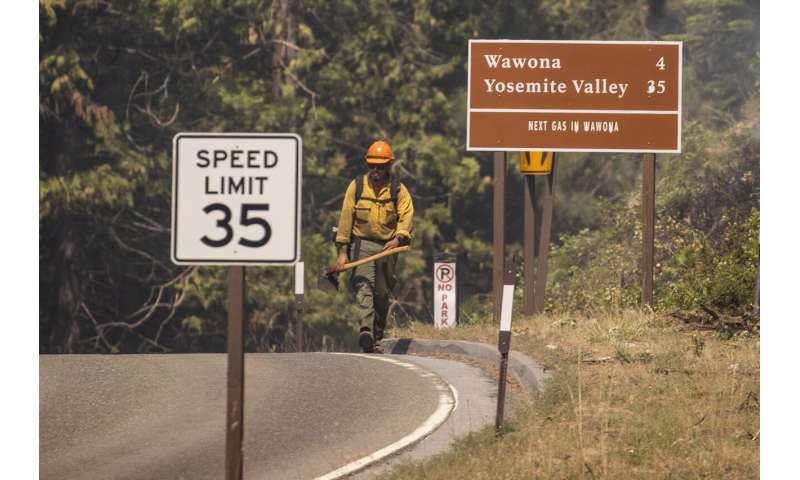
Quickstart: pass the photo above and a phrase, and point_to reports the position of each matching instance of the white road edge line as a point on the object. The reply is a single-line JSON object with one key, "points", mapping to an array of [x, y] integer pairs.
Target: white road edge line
{"points": [[447, 404]]}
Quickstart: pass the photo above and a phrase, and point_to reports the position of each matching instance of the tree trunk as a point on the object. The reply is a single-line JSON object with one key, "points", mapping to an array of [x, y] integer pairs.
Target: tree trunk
{"points": [[285, 30], [63, 322]]}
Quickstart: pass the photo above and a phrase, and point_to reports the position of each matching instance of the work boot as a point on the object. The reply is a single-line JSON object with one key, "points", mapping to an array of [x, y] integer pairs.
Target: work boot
{"points": [[366, 340], [378, 347]]}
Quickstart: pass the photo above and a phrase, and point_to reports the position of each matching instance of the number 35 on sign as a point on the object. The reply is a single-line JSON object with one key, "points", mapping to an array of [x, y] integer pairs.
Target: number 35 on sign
{"points": [[236, 198]]}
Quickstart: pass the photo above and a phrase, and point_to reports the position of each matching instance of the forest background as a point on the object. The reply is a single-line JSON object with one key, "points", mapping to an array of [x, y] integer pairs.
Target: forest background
{"points": [[117, 80]]}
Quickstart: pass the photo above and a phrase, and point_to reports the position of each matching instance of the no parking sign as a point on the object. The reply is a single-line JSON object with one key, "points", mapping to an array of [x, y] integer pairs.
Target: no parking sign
{"points": [[444, 295]]}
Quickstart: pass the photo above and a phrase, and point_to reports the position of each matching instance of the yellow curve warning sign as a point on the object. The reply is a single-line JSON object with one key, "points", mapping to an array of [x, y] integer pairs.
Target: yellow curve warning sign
{"points": [[535, 163]]}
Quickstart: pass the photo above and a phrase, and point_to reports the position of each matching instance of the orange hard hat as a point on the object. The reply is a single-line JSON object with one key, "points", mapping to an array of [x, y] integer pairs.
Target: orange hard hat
{"points": [[380, 152]]}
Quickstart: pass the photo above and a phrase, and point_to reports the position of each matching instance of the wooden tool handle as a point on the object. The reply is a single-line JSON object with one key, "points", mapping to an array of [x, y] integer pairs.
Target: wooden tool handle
{"points": [[385, 253]]}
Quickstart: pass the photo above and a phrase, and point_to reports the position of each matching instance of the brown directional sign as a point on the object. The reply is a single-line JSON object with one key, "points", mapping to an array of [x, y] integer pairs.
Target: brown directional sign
{"points": [[563, 96]]}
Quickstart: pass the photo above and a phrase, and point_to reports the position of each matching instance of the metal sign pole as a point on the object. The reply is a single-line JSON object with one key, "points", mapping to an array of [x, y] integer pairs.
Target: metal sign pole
{"points": [[648, 226], [234, 427], [504, 345], [260, 225], [544, 237], [498, 230], [529, 306]]}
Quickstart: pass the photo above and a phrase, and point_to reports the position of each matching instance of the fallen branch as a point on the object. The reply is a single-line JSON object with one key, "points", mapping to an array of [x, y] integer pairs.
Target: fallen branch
{"points": [[597, 360], [702, 419], [713, 314]]}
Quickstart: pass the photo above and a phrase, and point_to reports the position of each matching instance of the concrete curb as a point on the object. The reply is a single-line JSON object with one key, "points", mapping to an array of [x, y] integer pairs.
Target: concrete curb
{"points": [[529, 373]]}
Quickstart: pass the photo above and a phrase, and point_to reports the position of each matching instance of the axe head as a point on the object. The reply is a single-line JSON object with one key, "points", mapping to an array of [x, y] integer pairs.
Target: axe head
{"points": [[328, 280]]}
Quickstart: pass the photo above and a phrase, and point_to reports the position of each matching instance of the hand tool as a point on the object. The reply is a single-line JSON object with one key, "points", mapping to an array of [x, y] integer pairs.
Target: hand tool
{"points": [[329, 279]]}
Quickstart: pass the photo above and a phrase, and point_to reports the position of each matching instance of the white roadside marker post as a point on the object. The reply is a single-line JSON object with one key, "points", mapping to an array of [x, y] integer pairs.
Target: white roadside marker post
{"points": [[299, 297], [504, 345]]}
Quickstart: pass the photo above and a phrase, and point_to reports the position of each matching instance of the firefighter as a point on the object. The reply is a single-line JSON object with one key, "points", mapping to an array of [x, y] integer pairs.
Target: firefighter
{"points": [[377, 212]]}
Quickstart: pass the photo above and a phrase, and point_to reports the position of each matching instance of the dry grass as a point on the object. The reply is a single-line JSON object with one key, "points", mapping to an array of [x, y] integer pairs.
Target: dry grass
{"points": [[632, 395]]}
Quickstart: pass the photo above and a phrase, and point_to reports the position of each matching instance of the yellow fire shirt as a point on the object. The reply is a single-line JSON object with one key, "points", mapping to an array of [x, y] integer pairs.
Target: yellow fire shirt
{"points": [[374, 216]]}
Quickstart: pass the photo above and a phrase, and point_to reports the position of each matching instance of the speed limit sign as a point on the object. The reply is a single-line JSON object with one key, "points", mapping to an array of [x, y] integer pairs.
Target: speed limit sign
{"points": [[236, 198]]}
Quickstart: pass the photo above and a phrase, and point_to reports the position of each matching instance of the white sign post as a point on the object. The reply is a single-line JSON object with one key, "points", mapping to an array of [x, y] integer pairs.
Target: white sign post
{"points": [[444, 295], [236, 198], [299, 299]]}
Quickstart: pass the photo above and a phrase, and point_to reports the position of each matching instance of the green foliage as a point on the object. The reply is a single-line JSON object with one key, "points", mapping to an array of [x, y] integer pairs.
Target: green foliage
{"points": [[591, 19], [707, 234], [721, 41], [596, 269], [707, 196], [721, 275], [117, 80]]}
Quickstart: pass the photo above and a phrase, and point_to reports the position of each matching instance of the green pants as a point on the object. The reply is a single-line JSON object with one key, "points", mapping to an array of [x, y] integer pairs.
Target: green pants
{"points": [[372, 283]]}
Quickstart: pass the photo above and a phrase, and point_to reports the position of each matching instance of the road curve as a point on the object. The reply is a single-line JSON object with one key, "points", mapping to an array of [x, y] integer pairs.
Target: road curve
{"points": [[162, 416]]}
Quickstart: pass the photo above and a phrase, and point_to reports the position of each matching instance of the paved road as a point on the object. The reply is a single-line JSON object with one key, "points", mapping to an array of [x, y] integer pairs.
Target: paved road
{"points": [[162, 416], [477, 406]]}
